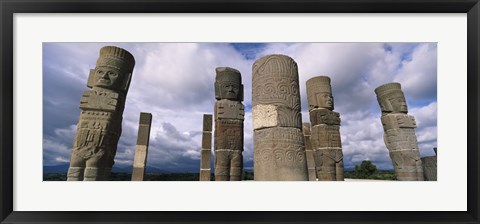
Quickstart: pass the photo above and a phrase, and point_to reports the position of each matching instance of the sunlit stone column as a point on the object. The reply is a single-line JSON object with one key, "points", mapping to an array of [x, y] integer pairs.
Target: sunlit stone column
{"points": [[141, 149], [206, 152], [279, 150]]}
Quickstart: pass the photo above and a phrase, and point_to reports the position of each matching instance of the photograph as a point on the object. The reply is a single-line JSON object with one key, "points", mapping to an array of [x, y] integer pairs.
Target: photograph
{"points": [[286, 111]]}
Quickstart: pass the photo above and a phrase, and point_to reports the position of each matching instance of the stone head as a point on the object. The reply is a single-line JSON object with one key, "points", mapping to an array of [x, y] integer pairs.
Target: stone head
{"points": [[113, 70], [228, 84], [319, 93], [391, 98]]}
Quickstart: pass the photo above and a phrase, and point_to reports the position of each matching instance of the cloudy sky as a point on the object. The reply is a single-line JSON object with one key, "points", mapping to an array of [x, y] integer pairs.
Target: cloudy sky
{"points": [[175, 82]]}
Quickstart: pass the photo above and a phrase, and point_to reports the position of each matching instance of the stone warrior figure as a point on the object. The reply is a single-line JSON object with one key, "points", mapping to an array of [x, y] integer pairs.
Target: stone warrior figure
{"points": [[100, 123], [399, 133], [325, 134], [229, 115]]}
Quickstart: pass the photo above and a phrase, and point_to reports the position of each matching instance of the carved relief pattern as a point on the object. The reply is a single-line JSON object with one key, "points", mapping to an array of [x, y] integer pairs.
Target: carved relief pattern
{"points": [[229, 134], [324, 116], [96, 132], [326, 136], [277, 91], [279, 147]]}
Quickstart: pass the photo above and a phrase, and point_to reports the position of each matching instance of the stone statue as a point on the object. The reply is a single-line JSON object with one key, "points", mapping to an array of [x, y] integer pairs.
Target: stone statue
{"points": [[206, 152], [229, 115], [100, 123], [399, 133], [325, 136], [279, 150], [141, 149], [430, 167]]}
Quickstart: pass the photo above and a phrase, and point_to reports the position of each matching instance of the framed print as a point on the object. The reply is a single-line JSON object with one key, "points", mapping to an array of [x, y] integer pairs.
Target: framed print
{"points": [[54, 58]]}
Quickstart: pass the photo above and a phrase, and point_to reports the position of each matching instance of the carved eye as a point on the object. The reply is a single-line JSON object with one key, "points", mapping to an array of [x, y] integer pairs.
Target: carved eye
{"points": [[100, 72]]}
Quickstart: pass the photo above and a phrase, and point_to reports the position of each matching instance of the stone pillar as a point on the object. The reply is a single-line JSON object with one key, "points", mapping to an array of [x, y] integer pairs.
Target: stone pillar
{"points": [[430, 167], [279, 150], [229, 115], [399, 133], [312, 173], [326, 141], [100, 123], [141, 149], [206, 153]]}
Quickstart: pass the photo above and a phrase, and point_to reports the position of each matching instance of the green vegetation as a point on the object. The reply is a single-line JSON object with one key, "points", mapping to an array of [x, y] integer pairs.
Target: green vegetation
{"points": [[368, 170]]}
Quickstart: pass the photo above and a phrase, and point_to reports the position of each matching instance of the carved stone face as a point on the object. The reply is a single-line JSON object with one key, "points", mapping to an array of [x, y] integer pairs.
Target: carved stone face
{"points": [[399, 105], [230, 90], [107, 77], [325, 100]]}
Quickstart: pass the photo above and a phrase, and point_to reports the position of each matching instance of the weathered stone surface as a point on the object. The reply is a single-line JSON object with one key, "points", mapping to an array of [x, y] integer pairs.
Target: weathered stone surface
{"points": [[319, 93], [206, 152], [229, 134], [141, 149], [99, 126], [329, 164], [279, 154], [229, 115], [228, 109], [275, 82], [324, 116], [325, 137], [312, 173], [268, 116], [228, 84], [430, 168], [279, 150], [399, 133]]}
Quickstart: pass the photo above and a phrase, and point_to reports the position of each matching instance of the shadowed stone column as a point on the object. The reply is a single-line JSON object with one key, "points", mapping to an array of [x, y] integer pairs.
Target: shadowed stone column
{"points": [[312, 173], [279, 150], [326, 142], [229, 115], [206, 154], [399, 133], [100, 123], [141, 149], [430, 167]]}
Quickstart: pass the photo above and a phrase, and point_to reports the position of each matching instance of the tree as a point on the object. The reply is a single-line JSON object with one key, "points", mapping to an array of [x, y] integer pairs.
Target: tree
{"points": [[365, 170]]}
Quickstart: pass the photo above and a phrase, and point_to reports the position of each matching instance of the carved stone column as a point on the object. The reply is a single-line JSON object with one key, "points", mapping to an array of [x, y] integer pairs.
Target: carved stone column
{"points": [[229, 115], [141, 149], [279, 150], [399, 133], [100, 123], [312, 173], [206, 153], [326, 142]]}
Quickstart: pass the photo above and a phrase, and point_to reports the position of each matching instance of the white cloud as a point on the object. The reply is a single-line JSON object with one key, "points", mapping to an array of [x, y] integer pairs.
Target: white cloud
{"points": [[175, 82]]}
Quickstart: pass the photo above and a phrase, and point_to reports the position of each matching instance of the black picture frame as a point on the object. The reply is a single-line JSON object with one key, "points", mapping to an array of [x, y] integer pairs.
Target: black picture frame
{"points": [[9, 7]]}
